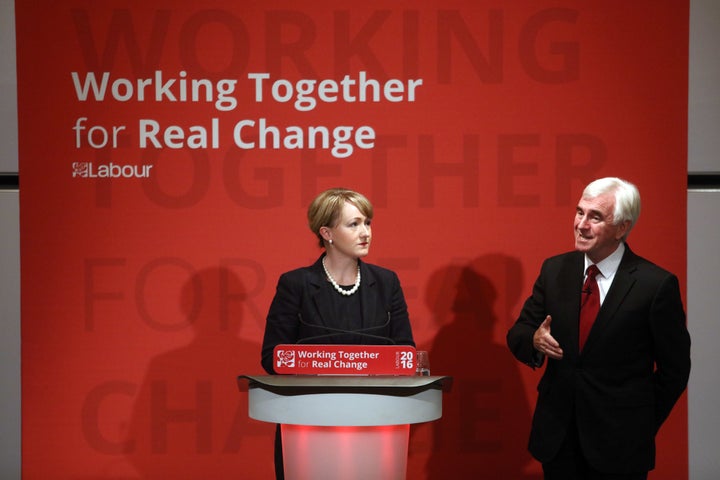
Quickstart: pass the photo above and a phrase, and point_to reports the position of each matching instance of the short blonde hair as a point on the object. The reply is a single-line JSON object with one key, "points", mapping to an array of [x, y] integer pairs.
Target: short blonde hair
{"points": [[325, 210]]}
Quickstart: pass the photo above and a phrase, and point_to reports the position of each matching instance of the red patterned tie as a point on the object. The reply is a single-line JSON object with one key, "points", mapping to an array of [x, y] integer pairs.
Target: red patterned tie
{"points": [[590, 304]]}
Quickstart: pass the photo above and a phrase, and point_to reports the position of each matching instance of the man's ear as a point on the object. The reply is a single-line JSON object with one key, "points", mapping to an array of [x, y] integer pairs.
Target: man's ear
{"points": [[623, 228]]}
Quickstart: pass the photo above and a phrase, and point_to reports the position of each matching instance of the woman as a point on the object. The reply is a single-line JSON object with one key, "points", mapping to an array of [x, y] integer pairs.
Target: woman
{"points": [[339, 299]]}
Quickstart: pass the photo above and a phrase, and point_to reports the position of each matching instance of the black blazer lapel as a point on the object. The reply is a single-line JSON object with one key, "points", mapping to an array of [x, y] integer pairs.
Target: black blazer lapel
{"points": [[320, 296], [369, 296]]}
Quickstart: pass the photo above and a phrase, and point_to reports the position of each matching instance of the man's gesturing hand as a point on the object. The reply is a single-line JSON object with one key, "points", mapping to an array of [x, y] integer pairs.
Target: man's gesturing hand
{"points": [[545, 343]]}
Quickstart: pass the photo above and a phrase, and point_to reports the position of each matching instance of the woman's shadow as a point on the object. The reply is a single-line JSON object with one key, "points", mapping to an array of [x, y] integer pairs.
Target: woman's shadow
{"points": [[190, 420], [486, 416]]}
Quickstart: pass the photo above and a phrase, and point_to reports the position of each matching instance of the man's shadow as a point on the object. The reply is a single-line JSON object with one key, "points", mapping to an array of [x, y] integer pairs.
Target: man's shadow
{"points": [[486, 417], [190, 420]]}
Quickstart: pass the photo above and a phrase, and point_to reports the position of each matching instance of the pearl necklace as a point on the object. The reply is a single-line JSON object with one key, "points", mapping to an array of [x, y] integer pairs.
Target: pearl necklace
{"points": [[337, 287]]}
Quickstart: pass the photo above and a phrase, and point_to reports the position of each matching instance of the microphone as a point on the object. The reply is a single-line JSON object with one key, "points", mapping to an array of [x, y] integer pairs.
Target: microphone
{"points": [[362, 332]]}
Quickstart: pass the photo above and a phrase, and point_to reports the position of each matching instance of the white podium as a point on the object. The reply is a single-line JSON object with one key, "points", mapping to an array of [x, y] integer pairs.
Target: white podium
{"points": [[345, 427]]}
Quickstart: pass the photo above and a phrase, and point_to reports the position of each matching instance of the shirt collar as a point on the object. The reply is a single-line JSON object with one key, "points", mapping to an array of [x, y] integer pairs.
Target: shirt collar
{"points": [[610, 264]]}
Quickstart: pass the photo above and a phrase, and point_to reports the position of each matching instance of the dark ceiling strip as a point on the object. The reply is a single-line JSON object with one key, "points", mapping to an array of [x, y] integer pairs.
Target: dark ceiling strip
{"points": [[695, 181], [703, 181], [9, 181]]}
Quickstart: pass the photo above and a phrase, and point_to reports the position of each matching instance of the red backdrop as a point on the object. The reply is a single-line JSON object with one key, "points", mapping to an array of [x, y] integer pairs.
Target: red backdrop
{"points": [[149, 258]]}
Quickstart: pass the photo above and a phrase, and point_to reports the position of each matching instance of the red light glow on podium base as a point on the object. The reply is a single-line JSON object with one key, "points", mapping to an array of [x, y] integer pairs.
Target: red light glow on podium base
{"points": [[345, 453]]}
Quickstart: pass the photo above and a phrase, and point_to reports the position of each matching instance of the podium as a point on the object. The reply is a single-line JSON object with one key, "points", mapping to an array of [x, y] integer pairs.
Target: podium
{"points": [[345, 427]]}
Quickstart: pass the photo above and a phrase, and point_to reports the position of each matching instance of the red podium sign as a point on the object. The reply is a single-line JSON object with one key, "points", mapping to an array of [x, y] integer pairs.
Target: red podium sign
{"points": [[345, 359]]}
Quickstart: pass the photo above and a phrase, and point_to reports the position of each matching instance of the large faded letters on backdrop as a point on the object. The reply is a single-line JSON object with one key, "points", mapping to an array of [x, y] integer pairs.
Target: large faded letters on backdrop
{"points": [[169, 149]]}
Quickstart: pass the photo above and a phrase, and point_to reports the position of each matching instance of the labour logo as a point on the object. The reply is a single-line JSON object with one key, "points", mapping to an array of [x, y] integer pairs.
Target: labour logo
{"points": [[285, 358], [80, 169], [110, 170]]}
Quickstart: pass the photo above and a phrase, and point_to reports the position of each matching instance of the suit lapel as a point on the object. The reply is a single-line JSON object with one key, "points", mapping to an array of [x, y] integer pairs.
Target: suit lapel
{"points": [[621, 286], [570, 280]]}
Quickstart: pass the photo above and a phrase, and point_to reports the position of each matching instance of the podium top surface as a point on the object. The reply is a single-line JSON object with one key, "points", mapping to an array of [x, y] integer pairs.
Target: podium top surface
{"points": [[354, 383], [340, 400]]}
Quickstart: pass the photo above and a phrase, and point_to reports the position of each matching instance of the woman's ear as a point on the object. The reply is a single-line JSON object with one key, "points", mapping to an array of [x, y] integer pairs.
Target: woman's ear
{"points": [[325, 234]]}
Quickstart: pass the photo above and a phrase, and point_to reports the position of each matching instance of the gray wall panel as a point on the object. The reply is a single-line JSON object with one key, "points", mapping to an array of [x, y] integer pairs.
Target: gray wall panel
{"points": [[10, 336], [702, 291], [704, 95], [8, 87]]}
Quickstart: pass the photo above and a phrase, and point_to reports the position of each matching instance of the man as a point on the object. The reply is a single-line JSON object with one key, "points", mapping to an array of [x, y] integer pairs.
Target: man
{"points": [[601, 400]]}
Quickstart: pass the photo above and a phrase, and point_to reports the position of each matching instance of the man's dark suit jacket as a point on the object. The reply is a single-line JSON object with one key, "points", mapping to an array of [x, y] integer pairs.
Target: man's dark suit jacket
{"points": [[632, 370], [302, 310]]}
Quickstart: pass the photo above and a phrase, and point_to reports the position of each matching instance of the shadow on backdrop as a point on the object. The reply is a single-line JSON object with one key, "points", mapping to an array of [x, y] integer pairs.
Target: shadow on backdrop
{"points": [[483, 432], [190, 421]]}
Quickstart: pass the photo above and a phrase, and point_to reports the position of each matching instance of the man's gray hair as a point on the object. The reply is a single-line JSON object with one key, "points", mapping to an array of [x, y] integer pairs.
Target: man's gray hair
{"points": [[627, 199]]}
